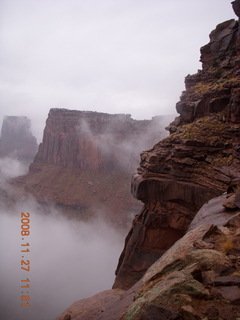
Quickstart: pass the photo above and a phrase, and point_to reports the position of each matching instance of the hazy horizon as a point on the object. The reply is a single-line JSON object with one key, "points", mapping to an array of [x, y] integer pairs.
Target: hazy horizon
{"points": [[115, 57]]}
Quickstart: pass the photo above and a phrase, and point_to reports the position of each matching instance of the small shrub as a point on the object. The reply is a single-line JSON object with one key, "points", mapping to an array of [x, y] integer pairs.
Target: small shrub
{"points": [[227, 245]]}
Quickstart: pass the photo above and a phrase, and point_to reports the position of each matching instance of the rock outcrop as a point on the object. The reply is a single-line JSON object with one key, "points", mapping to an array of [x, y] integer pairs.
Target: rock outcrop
{"points": [[17, 140], [216, 87], [95, 141], [85, 160], [197, 162], [197, 278], [166, 271]]}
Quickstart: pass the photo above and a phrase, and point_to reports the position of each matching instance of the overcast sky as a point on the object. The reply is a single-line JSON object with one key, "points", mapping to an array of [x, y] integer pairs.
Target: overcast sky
{"points": [[116, 56]]}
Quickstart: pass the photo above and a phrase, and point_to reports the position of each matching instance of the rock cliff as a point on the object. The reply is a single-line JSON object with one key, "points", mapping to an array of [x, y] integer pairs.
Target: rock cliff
{"points": [[175, 266], [197, 278], [197, 162], [95, 141], [85, 160], [17, 140]]}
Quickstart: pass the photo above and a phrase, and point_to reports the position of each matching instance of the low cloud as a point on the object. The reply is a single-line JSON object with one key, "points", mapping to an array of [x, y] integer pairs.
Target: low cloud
{"points": [[69, 260], [122, 144], [11, 168]]}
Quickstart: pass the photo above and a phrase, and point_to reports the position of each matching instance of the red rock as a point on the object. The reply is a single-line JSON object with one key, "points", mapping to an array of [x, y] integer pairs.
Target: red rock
{"points": [[173, 287], [93, 307], [212, 313], [212, 212], [85, 163], [231, 293], [236, 7], [150, 236], [175, 178], [237, 198], [194, 164], [156, 312], [229, 203], [220, 43], [94, 141], [227, 281]]}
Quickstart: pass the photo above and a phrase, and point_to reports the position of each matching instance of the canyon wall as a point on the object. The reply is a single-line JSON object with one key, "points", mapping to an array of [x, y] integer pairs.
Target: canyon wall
{"points": [[88, 140], [85, 160], [197, 162], [172, 268]]}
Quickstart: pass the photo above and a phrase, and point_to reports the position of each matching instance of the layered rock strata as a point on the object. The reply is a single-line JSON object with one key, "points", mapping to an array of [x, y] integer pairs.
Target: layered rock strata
{"points": [[85, 160], [197, 162], [198, 276], [95, 141]]}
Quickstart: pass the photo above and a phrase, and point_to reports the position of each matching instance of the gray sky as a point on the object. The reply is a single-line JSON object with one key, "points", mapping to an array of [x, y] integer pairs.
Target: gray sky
{"points": [[116, 56]]}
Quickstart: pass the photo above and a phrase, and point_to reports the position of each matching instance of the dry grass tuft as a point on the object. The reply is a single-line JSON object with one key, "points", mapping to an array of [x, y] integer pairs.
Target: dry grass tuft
{"points": [[227, 246]]}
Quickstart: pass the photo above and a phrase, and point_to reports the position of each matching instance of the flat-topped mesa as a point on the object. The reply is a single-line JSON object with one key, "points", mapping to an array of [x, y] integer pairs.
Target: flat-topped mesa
{"points": [[90, 140], [85, 162], [68, 139], [16, 139]]}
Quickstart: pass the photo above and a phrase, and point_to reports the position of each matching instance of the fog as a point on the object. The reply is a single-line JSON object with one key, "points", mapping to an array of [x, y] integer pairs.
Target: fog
{"points": [[109, 56], [69, 259], [122, 143], [11, 168]]}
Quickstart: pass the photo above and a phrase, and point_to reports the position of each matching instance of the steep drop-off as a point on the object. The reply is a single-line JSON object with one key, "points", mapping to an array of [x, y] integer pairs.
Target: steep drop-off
{"points": [[165, 272], [197, 162], [84, 162]]}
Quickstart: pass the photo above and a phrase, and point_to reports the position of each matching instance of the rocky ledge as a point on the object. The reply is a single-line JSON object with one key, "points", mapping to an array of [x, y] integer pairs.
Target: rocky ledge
{"points": [[177, 263], [198, 161], [197, 278]]}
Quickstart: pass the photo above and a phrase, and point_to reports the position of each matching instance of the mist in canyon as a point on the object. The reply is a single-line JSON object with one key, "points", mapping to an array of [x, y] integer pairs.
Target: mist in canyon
{"points": [[122, 143], [69, 259]]}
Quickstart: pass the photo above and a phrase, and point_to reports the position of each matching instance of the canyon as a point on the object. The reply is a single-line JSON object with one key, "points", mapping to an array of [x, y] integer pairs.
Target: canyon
{"points": [[181, 256], [180, 259], [83, 165]]}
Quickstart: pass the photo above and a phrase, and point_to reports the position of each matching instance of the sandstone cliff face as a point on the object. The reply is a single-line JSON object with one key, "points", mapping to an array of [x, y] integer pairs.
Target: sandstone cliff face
{"points": [[95, 141], [198, 277], [216, 87], [197, 162], [16, 139], [85, 160]]}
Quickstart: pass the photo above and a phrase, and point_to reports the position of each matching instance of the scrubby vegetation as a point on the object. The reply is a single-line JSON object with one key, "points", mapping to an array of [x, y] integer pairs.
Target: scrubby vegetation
{"points": [[202, 88], [211, 129]]}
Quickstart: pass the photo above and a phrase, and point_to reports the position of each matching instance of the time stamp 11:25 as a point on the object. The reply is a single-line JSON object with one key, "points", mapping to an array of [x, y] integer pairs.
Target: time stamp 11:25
{"points": [[25, 262]]}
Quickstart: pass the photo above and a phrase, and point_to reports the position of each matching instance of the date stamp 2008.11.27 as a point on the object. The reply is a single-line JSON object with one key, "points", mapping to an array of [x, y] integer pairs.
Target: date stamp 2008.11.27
{"points": [[25, 262]]}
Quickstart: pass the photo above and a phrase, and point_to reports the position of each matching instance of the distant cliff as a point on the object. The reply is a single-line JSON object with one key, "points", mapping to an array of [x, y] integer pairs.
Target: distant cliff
{"points": [[16, 139], [164, 271], [95, 141], [85, 160]]}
